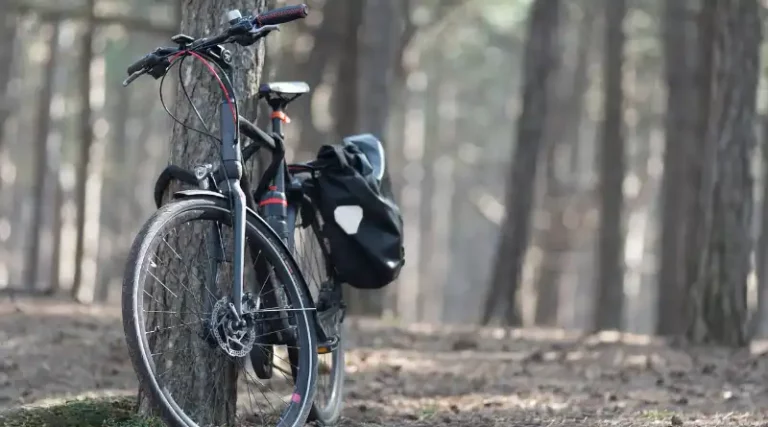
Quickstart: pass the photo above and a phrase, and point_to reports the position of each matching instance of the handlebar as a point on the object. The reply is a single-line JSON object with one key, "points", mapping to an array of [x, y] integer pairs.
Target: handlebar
{"points": [[243, 30], [148, 64]]}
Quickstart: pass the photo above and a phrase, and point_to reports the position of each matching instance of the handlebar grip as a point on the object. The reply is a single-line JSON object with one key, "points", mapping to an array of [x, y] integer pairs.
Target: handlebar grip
{"points": [[140, 64], [282, 15]]}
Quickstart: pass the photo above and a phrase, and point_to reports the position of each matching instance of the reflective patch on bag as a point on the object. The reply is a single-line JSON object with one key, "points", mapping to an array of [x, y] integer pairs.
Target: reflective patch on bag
{"points": [[348, 217]]}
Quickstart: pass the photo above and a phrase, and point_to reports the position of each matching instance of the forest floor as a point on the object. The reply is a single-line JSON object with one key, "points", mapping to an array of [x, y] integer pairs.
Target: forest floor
{"points": [[423, 376]]}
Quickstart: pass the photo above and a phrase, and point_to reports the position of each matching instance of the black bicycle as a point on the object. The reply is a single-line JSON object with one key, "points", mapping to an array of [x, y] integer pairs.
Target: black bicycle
{"points": [[281, 312]]}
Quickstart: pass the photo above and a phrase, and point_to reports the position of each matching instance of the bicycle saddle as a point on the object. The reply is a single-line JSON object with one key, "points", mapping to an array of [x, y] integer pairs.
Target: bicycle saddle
{"points": [[284, 88], [373, 151]]}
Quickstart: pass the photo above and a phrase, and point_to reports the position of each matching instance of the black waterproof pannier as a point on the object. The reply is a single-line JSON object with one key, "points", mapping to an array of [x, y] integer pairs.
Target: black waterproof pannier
{"points": [[363, 227]]}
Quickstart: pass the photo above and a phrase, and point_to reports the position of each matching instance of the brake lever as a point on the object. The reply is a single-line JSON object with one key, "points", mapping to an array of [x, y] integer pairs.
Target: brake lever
{"points": [[134, 76], [255, 34], [264, 30]]}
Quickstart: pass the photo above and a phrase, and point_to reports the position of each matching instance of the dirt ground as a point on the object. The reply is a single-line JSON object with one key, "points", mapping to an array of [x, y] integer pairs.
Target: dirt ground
{"points": [[423, 376]]}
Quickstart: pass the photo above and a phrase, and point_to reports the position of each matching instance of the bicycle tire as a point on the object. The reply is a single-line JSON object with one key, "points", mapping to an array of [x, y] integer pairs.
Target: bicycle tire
{"points": [[327, 413], [145, 242], [330, 413]]}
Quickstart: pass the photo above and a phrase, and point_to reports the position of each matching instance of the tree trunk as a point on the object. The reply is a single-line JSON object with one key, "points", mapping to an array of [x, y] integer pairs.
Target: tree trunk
{"points": [[761, 253], [610, 291], [376, 55], [42, 130], [717, 298], [119, 184], [681, 133], [394, 131], [8, 23], [56, 225], [540, 62], [432, 149], [566, 121], [189, 148], [346, 89], [327, 38], [86, 141], [346, 104]]}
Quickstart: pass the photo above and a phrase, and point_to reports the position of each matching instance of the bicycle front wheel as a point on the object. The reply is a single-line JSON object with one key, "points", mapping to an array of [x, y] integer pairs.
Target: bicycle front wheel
{"points": [[186, 341]]}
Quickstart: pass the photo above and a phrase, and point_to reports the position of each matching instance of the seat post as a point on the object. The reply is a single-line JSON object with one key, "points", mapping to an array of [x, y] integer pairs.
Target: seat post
{"points": [[278, 116]]}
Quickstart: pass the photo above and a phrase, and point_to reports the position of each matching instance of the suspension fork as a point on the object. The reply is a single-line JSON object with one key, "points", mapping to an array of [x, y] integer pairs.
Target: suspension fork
{"points": [[232, 165]]}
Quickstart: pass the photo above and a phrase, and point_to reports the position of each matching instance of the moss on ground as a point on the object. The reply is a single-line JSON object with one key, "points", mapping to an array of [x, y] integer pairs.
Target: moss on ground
{"points": [[113, 412]]}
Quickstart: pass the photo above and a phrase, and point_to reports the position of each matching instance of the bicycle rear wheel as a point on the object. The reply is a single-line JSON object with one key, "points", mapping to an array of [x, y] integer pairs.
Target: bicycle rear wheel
{"points": [[187, 348], [313, 258]]}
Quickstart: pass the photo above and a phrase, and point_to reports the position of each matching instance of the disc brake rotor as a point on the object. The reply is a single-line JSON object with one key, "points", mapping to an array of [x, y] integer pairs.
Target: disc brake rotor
{"points": [[236, 342]]}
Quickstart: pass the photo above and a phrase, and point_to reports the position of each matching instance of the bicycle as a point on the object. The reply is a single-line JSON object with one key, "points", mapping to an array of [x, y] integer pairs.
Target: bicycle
{"points": [[285, 313]]}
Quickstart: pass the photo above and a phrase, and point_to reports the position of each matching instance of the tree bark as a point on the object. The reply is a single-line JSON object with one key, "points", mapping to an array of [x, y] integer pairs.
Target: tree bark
{"points": [[717, 298], [610, 292], [541, 60], [190, 148], [681, 124]]}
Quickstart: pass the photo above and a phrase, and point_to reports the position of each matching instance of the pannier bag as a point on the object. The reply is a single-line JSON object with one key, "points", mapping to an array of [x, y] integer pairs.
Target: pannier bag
{"points": [[363, 227]]}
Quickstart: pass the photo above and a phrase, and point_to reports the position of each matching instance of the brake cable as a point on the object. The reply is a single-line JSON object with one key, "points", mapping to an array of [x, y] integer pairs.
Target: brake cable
{"points": [[180, 56]]}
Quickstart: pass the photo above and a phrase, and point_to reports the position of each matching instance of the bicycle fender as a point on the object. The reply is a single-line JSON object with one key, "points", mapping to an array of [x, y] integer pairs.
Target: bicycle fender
{"points": [[186, 194], [208, 194]]}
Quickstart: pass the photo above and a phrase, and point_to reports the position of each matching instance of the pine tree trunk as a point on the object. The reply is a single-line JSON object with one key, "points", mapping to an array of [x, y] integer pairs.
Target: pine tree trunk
{"points": [[761, 252], [541, 60], [564, 135], [188, 148], [324, 54], [346, 108], [375, 58], [43, 127], [86, 140], [681, 133], [717, 298], [8, 23], [610, 247]]}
